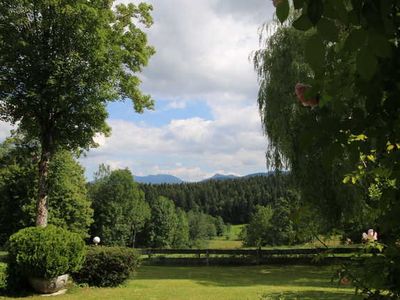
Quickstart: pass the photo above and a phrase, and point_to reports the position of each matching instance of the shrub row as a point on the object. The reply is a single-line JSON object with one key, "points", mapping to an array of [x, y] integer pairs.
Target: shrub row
{"points": [[107, 266], [52, 251]]}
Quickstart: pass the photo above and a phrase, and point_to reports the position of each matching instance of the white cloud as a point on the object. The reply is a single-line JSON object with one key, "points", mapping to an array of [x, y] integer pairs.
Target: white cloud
{"points": [[176, 104], [203, 47], [191, 149]]}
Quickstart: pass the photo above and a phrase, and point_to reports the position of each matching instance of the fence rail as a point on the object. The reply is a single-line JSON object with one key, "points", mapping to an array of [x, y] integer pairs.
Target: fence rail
{"points": [[245, 256], [263, 252], [252, 252]]}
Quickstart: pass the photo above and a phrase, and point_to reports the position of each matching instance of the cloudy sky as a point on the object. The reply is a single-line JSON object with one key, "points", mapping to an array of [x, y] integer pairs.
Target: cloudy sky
{"points": [[205, 119]]}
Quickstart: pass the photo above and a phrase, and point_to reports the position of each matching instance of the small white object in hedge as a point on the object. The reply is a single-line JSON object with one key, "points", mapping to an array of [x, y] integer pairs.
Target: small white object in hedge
{"points": [[370, 236], [96, 240]]}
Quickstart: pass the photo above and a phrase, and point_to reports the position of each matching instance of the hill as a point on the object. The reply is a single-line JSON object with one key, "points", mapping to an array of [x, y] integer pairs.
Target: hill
{"points": [[158, 179]]}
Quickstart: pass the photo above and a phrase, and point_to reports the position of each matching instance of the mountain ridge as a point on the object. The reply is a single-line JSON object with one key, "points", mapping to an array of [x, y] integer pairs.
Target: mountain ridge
{"points": [[170, 179]]}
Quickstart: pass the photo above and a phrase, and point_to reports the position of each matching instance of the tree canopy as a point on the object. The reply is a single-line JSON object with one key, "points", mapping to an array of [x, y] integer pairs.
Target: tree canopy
{"points": [[119, 208], [60, 62], [70, 206], [352, 52]]}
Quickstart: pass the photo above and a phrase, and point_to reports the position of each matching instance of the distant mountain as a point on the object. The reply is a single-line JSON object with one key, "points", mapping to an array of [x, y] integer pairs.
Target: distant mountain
{"points": [[170, 179], [158, 179], [230, 176], [221, 177], [259, 174]]}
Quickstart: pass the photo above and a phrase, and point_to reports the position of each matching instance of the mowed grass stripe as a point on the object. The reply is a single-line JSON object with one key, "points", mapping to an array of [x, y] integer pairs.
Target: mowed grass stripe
{"points": [[222, 283]]}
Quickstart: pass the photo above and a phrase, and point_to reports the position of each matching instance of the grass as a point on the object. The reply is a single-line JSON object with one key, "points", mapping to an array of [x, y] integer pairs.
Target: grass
{"points": [[229, 241], [222, 283]]}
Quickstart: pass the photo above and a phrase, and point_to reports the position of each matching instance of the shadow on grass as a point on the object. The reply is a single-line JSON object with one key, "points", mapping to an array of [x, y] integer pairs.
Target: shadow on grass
{"points": [[302, 276], [16, 294], [309, 295]]}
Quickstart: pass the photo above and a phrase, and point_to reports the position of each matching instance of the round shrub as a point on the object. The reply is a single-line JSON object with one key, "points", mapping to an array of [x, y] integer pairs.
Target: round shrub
{"points": [[107, 266], [43, 252]]}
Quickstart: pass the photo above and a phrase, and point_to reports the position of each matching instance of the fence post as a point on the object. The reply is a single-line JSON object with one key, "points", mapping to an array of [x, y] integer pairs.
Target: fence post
{"points": [[258, 259], [207, 256]]}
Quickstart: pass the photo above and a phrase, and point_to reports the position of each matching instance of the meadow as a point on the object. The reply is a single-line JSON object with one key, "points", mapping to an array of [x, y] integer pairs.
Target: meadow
{"points": [[232, 240], [222, 283]]}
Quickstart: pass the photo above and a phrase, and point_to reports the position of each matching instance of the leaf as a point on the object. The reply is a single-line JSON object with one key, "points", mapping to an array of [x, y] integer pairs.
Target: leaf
{"points": [[314, 11], [302, 23], [282, 11], [379, 44], [315, 52], [328, 30], [390, 147], [366, 64], [325, 99], [346, 179], [355, 40], [298, 4]]}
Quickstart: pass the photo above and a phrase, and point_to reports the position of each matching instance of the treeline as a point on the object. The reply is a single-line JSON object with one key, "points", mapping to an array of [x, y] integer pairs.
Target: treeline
{"points": [[122, 212], [234, 200], [123, 217], [112, 206]]}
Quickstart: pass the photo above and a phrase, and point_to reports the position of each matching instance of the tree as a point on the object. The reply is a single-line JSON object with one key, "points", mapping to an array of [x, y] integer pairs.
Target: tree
{"points": [[181, 235], [258, 230], [352, 48], [68, 199], [60, 62], [201, 227], [140, 214], [219, 226], [284, 230], [163, 223], [119, 211]]}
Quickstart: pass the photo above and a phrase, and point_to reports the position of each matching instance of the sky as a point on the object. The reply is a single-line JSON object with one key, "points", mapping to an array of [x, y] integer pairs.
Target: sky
{"points": [[206, 119]]}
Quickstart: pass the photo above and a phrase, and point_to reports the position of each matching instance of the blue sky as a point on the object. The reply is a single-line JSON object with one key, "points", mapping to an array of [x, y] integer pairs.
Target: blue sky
{"points": [[206, 119], [164, 112]]}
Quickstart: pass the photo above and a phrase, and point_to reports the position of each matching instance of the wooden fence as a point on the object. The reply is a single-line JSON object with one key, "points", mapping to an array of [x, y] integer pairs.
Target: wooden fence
{"points": [[246, 256]]}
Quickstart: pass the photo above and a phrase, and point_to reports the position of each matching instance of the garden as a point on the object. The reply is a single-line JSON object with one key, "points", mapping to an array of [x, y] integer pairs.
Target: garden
{"points": [[321, 224]]}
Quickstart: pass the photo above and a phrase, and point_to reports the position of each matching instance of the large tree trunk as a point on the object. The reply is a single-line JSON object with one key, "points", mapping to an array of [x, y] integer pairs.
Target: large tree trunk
{"points": [[42, 204]]}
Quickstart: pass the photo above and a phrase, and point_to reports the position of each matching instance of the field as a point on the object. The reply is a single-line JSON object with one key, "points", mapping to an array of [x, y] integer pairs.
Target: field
{"points": [[222, 283], [231, 240]]}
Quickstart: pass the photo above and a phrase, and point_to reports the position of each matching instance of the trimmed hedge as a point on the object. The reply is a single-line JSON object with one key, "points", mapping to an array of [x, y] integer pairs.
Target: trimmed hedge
{"points": [[107, 266], [43, 252]]}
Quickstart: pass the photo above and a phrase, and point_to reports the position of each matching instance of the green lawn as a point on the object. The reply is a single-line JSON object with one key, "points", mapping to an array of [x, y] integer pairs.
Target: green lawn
{"points": [[229, 241], [222, 283]]}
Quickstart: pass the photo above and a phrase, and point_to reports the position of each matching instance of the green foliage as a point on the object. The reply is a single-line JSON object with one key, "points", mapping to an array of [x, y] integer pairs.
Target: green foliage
{"points": [[69, 204], [107, 266], [44, 253], [358, 84], [257, 230], [68, 201], [310, 142], [181, 235], [119, 208], [3, 277], [219, 226], [284, 230], [201, 227], [61, 62], [282, 10], [233, 200], [163, 223]]}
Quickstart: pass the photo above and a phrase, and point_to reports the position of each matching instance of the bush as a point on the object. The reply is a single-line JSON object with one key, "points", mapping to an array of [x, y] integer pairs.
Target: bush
{"points": [[107, 266], [43, 252]]}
